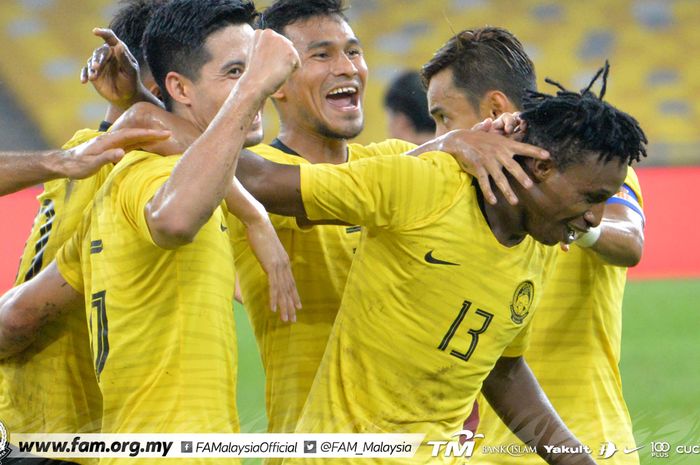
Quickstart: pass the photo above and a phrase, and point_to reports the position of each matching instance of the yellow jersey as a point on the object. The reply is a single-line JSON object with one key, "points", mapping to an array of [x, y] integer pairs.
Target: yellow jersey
{"points": [[575, 352], [432, 300], [321, 258], [161, 322], [49, 387]]}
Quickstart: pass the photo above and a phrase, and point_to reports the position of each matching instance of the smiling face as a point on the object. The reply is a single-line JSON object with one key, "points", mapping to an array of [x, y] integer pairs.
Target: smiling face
{"points": [[325, 94], [572, 200], [228, 50]]}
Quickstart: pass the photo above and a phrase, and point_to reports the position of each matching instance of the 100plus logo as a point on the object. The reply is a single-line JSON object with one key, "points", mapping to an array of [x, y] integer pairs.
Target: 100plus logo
{"points": [[455, 448]]}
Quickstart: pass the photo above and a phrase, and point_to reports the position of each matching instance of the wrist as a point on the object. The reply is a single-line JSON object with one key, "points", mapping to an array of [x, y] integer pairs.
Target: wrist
{"points": [[55, 164], [590, 237]]}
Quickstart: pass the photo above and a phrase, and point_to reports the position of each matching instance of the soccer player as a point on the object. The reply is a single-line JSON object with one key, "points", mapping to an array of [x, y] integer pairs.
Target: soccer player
{"points": [[50, 387], [320, 108], [575, 342], [443, 285], [407, 109], [153, 254]]}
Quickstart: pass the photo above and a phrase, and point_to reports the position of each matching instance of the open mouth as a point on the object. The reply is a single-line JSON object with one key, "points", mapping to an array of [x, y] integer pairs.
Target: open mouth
{"points": [[570, 234], [346, 98]]}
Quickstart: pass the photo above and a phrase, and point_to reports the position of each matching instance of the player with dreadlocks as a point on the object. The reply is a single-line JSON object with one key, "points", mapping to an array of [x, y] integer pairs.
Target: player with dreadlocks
{"points": [[574, 347], [443, 285]]}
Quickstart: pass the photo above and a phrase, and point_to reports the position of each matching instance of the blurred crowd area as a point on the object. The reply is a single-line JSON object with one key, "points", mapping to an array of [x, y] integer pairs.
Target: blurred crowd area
{"points": [[655, 76]]}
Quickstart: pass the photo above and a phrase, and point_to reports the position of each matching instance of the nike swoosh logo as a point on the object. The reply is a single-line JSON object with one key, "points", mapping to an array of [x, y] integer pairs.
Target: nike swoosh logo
{"points": [[629, 451], [430, 259]]}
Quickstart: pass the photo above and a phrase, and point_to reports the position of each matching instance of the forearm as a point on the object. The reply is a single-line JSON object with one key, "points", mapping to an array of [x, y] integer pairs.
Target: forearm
{"points": [[19, 170], [244, 206], [620, 243], [276, 186], [202, 178], [517, 398], [117, 109]]}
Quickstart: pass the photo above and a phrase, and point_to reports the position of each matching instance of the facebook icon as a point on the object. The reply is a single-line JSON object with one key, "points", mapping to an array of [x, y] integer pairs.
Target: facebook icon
{"points": [[186, 447]]}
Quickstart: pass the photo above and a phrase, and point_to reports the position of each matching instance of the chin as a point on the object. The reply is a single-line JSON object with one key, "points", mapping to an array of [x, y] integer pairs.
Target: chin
{"points": [[253, 138]]}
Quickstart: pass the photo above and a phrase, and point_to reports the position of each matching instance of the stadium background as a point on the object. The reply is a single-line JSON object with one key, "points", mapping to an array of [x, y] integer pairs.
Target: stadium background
{"points": [[655, 76]]}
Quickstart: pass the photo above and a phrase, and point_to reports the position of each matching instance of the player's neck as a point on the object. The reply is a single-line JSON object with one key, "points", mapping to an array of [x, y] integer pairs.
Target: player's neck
{"points": [[505, 220], [315, 147]]}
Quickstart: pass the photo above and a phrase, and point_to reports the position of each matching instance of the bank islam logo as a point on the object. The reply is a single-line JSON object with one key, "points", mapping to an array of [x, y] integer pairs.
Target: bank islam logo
{"points": [[454, 448], [4, 442]]}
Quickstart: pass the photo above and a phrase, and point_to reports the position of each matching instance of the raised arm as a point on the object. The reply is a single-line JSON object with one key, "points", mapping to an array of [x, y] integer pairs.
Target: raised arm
{"points": [[519, 401], [203, 176], [114, 73], [19, 170]]}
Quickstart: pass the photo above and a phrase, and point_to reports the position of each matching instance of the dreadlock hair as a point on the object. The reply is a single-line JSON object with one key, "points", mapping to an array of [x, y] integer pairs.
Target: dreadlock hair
{"points": [[282, 13], [483, 60], [175, 38], [129, 24], [571, 125]]}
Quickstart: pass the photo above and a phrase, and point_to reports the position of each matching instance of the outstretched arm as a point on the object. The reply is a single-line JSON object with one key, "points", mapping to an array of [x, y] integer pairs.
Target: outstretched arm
{"points": [[484, 152], [19, 170], [25, 309], [518, 399]]}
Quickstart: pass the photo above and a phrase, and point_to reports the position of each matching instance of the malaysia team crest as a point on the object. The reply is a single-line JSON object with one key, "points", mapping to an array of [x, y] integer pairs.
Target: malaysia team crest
{"points": [[4, 444], [522, 301]]}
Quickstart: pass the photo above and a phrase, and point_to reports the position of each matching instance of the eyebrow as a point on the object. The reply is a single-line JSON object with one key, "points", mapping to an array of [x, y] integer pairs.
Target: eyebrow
{"points": [[328, 43]]}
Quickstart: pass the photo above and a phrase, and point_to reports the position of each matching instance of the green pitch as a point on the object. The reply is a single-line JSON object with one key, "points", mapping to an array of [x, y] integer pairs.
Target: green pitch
{"points": [[660, 367]]}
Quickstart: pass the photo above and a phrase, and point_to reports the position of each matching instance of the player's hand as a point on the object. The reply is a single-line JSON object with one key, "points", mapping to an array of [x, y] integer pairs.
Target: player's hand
{"points": [[87, 158], [275, 262], [508, 124], [271, 61], [484, 153], [113, 71], [145, 115]]}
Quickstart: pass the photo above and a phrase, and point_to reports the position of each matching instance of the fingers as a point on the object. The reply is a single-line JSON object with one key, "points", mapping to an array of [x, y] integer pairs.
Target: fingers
{"points": [[130, 137], [283, 293], [484, 126], [107, 35], [520, 148], [95, 63], [484, 180], [111, 156], [501, 181]]}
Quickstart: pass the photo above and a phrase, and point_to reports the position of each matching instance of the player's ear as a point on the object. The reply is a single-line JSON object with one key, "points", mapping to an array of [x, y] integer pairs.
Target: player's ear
{"points": [[179, 87], [539, 170], [494, 103], [281, 93]]}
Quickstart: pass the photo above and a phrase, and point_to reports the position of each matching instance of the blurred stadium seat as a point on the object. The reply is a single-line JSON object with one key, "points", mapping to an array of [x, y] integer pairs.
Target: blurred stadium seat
{"points": [[655, 76]]}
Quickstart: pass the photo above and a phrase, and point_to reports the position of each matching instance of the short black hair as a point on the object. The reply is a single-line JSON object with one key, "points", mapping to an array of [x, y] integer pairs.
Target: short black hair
{"points": [[571, 125], [129, 24], [175, 37], [483, 60], [406, 94], [282, 13]]}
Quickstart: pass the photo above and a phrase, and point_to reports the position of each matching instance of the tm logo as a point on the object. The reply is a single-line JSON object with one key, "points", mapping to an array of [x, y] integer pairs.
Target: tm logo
{"points": [[454, 448]]}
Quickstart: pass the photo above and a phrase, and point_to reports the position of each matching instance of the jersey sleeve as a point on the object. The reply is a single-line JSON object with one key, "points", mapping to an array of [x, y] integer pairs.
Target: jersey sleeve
{"points": [[69, 256], [387, 147], [81, 136], [630, 194], [382, 192], [138, 187], [518, 346]]}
